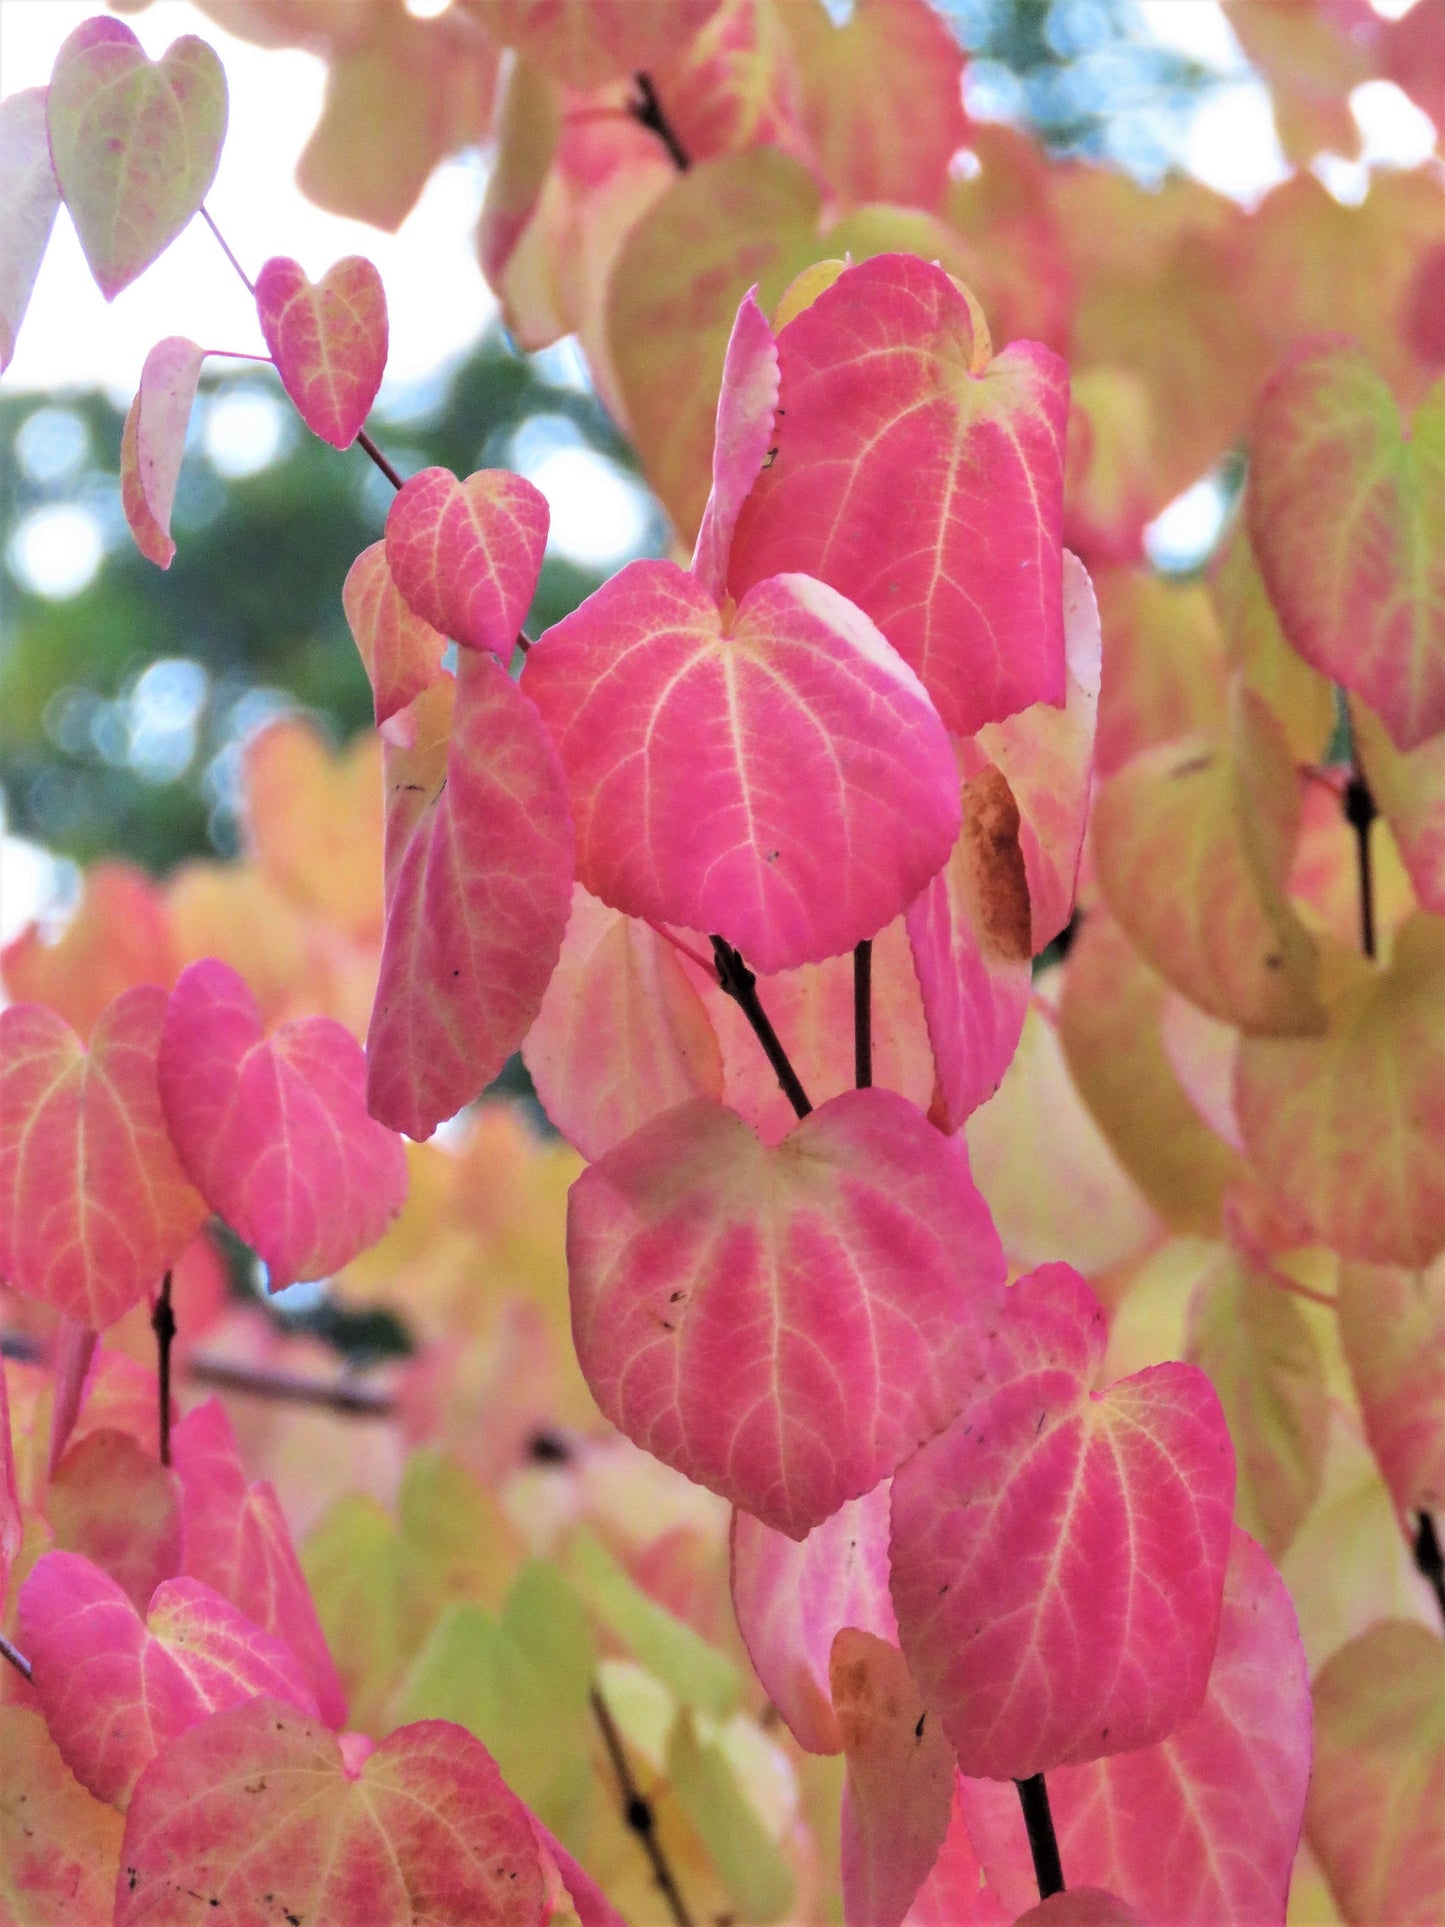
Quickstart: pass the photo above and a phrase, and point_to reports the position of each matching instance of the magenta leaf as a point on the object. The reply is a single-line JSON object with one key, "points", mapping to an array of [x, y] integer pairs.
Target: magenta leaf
{"points": [[11, 1524], [401, 653], [236, 1542], [28, 200], [153, 442], [924, 481], [783, 1325], [1058, 1553], [116, 1689], [791, 1596], [466, 555], [328, 340], [273, 1131], [1202, 1827], [776, 775], [135, 143], [746, 403], [479, 886]]}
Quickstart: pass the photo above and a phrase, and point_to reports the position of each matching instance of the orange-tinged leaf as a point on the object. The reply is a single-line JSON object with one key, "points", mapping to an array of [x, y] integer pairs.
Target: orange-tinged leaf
{"points": [[1347, 1130], [1392, 1325], [1193, 841], [528, 128], [29, 197], [328, 340], [118, 1506], [95, 1203], [736, 83], [893, 64], [621, 1035], [271, 1814], [120, 935], [1109, 1024], [117, 1688], [135, 143], [1378, 1788], [1410, 791], [1311, 57], [898, 1795], [1248, 1332], [401, 651], [1165, 670], [1302, 700], [586, 42], [59, 1846], [1348, 518], [153, 442], [314, 821], [1109, 491]]}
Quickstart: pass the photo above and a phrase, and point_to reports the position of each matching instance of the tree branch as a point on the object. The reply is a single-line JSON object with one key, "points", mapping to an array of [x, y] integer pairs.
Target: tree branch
{"points": [[1043, 1844], [163, 1324], [646, 110], [863, 1014], [638, 1813], [265, 1381], [739, 983], [1428, 1557]]}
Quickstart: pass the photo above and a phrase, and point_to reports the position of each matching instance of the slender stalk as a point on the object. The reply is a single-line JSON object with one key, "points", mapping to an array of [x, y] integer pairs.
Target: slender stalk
{"points": [[739, 983], [265, 1381], [647, 111], [16, 1658], [1428, 1557], [1360, 813], [863, 1014], [1043, 1844], [638, 1813], [163, 1324], [363, 440]]}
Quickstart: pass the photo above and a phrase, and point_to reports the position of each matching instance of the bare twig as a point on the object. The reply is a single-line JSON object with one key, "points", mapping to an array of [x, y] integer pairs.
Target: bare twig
{"points": [[739, 983], [163, 1324], [863, 1014], [638, 1813], [344, 1395], [646, 110]]}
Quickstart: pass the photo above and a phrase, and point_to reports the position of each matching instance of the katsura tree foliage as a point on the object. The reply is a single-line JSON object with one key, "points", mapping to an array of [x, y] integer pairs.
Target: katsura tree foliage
{"points": [[986, 1321]]}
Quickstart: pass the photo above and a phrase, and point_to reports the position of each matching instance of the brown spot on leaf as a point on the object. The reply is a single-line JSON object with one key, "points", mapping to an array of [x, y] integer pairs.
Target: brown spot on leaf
{"points": [[997, 880]]}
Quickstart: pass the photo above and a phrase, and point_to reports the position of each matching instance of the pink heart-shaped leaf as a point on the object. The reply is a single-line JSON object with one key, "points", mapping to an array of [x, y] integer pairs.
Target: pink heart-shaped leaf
{"points": [[260, 1800], [827, 796], [791, 1596], [1203, 1827], [783, 1325], [1058, 1553], [93, 1203], [479, 887], [29, 197], [153, 442], [466, 555], [117, 1688], [924, 481], [135, 143], [237, 1544], [328, 340], [401, 653], [273, 1131], [745, 407]]}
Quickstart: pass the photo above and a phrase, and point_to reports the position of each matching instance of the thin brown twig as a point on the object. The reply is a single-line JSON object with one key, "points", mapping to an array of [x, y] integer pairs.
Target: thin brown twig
{"points": [[739, 983], [266, 1381], [638, 1813], [163, 1324], [16, 1658], [863, 1014], [646, 110]]}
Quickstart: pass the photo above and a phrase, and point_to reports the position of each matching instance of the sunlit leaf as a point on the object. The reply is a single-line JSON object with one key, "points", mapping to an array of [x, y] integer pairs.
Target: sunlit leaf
{"points": [[29, 197], [697, 1255], [466, 555], [313, 819], [59, 1847], [1058, 1553], [153, 442], [1165, 668], [120, 935], [328, 340], [135, 143], [95, 1203]]}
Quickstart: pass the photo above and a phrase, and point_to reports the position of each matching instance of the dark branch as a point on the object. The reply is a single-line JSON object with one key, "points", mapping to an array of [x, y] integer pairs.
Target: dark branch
{"points": [[739, 983], [1360, 813], [646, 110], [637, 1812], [1043, 1845], [1428, 1557], [863, 1014], [364, 442], [264, 1381], [163, 1324]]}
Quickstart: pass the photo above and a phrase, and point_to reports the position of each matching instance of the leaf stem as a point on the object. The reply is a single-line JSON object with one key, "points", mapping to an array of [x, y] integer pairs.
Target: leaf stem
{"points": [[1360, 813], [646, 110], [225, 248], [739, 983], [1043, 1843], [1428, 1556], [163, 1324], [863, 1014], [638, 1813], [16, 1658]]}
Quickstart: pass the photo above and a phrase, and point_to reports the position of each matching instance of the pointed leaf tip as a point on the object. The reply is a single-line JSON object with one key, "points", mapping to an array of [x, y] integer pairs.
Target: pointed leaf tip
{"points": [[153, 442]]}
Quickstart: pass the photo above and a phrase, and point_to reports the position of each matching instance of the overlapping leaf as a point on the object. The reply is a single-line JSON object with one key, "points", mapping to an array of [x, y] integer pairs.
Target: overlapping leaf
{"points": [[747, 401], [402, 653], [116, 1505], [328, 340], [466, 555], [153, 442], [119, 935], [59, 1847], [586, 42], [116, 1689], [29, 198], [783, 1325], [826, 800], [923, 480], [1410, 791], [268, 1813], [95, 1202], [1058, 1553], [1347, 517], [1392, 1325], [479, 881], [135, 143]]}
